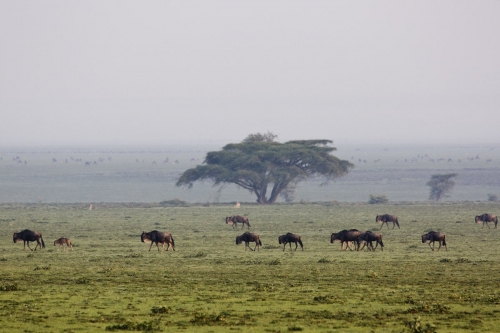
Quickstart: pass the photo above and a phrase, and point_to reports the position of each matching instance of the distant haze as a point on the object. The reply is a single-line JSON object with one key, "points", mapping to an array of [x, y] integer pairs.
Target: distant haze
{"points": [[162, 72]]}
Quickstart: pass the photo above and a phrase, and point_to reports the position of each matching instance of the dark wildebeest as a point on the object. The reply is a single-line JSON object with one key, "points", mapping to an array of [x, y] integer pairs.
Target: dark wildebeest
{"points": [[386, 218], [433, 236], [248, 237], [28, 236], [291, 238], [156, 236], [234, 220], [368, 237], [63, 241], [346, 236], [485, 218]]}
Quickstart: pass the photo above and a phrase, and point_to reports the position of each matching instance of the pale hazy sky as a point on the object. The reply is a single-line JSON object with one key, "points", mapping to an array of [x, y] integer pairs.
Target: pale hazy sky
{"points": [[160, 72]]}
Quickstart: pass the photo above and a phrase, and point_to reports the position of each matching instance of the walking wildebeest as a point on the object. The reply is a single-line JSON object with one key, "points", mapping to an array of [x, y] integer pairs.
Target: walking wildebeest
{"points": [[248, 237], [28, 236], [235, 219], [369, 237], [290, 238], [386, 218], [61, 242], [156, 236], [433, 236], [485, 218], [346, 236]]}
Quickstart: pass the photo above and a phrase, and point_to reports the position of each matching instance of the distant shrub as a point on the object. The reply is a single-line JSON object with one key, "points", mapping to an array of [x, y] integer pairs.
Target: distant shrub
{"points": [[160, 309], [492, 197], [275, 262], [295, 328], [174, 203], [324, 261], [378, 199], [416, 327], [9, 287], [145, 326]]}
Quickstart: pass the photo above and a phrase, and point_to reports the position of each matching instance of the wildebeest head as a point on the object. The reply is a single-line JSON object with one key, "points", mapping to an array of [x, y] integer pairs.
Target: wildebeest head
{"points": [[425, 237], [238, 240], [16, 237], [144, 237], [333, 237], [281, 239]]}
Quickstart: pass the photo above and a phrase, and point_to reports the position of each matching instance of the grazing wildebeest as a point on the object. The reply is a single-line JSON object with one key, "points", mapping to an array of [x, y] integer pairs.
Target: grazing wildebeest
{"points": [[291, 238], [485, 218], [28, 236], [248, 237], [156, 236], [346, 236], [386, 218], [61, 242], [235, 219], [368, 237], [433, 236]]}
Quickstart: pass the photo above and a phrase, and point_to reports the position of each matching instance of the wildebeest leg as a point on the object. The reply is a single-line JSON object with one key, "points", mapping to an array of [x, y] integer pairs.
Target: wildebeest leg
{"points": [[432, 247], [150, 246], [27, 242], [296, 246]]}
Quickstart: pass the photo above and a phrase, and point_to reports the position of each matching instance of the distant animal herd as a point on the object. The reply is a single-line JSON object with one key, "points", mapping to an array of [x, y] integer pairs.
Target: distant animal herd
{"points": [[347, 238]]}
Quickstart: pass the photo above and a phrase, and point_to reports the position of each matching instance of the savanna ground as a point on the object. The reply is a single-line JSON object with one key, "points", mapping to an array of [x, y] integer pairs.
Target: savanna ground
{"points": [[111, 282]]}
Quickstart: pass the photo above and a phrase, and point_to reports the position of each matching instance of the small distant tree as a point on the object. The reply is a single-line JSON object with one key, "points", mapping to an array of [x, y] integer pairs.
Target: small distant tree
{"points": [[378, 199], [492, 197], [441, 186]]}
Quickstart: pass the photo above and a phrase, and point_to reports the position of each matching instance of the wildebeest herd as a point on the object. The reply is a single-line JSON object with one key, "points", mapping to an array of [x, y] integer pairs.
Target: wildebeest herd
{"points": [[347, 238]]}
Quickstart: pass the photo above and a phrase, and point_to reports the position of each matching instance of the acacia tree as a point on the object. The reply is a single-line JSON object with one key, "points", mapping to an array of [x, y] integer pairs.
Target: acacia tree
{"points": [[259, 164], [441, 186]]}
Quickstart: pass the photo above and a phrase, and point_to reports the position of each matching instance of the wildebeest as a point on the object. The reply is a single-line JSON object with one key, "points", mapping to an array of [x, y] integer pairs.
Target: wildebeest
{"points": [[485, 218], [63, 241], [235, 219], [290, 238], [369, 237], [248, 237], [156, 236], [386, 218], [433, 236], [28, 236], [346, 236]]}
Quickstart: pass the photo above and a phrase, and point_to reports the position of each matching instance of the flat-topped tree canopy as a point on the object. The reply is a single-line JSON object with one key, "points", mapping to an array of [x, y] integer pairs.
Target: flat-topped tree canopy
{"points": [[259, 163]]}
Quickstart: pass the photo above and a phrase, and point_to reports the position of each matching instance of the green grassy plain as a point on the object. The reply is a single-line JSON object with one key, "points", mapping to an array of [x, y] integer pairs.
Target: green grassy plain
{"points": [[111, 282]]}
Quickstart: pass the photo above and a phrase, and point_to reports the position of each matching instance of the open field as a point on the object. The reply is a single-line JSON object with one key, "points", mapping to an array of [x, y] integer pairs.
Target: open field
{"points": [[111, 282]]}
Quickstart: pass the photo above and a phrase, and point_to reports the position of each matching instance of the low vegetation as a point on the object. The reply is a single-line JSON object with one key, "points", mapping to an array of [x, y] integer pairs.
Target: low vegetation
{"points": [[111, 282]]}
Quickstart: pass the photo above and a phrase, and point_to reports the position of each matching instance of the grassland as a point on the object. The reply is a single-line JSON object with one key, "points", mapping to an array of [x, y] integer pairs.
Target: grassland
{"points": [[111, 282]]}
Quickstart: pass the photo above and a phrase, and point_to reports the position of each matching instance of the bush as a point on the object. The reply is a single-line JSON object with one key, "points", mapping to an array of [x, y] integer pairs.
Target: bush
{"points": [[378, 199], [492, 197], [174, 203]]}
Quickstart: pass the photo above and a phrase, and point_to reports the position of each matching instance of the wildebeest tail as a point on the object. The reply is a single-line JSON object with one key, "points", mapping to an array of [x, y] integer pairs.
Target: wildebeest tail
{"points": [[300, 242], [381, 243], [444, 240], [43, 243], [173, 244], [260, 243], [397, 223]]}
